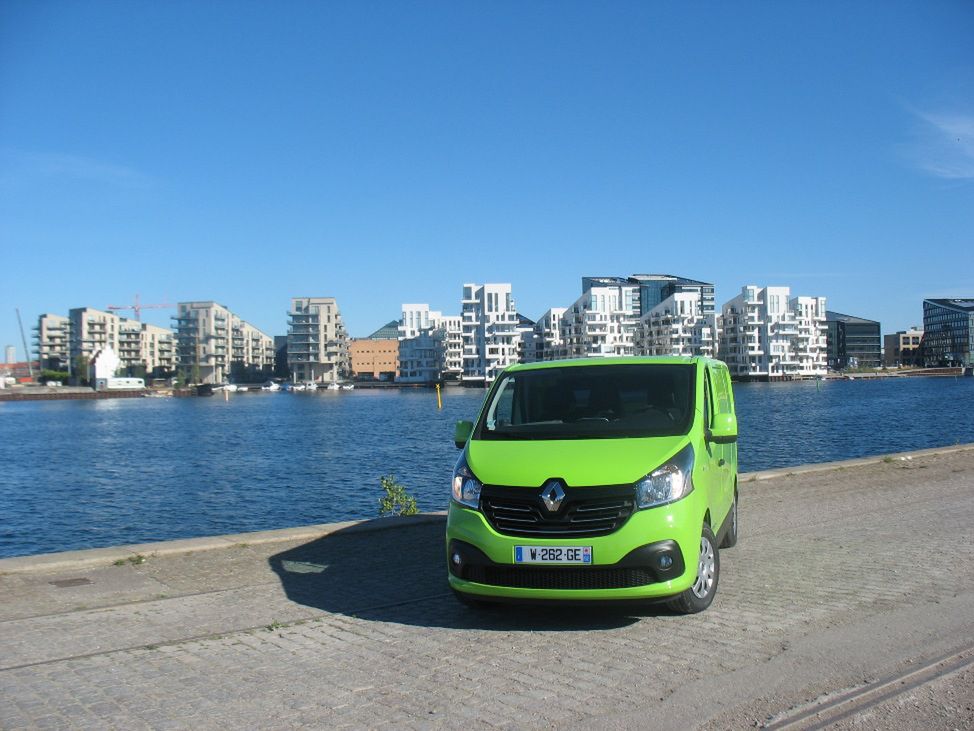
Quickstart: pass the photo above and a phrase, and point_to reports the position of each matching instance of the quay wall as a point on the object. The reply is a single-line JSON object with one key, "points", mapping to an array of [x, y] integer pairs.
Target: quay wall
{"points": [[61, 394]]}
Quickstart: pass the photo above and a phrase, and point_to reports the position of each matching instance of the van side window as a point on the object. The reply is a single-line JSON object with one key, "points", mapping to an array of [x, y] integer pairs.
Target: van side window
{"points": [[722, 404], [502, 410], [708, 400]]}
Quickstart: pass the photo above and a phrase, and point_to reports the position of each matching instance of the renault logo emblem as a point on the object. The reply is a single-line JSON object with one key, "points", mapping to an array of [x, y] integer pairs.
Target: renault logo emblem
{"points": [[552, 493]]}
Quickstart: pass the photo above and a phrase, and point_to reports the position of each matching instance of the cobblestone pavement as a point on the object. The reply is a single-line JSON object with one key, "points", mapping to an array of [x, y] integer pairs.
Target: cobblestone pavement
{"points": [[839, 576]]}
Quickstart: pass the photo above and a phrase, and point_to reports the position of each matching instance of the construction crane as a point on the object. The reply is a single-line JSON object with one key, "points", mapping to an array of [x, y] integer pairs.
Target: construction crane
{"points": [[137, 307], [30, 368]]}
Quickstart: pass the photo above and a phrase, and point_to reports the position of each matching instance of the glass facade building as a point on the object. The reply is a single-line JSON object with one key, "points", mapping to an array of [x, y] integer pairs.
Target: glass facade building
{"points": [[948, 331], [654, 288], [853, 342]]}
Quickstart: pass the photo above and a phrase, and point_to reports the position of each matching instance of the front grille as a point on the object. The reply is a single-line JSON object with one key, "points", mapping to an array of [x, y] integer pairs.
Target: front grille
{"points": [[585, 511], [562, 577]]}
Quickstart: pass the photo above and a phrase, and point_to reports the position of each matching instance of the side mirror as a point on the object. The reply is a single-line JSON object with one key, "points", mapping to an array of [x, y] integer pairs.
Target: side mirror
{"points": [[723, 430], [462, 432]]}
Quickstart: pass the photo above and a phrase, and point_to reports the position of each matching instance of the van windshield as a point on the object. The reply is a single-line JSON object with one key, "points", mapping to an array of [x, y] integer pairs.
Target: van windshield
{"points": [[590, 402]]}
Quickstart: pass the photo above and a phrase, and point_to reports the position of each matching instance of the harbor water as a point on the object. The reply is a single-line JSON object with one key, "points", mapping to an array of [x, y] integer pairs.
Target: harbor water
{"points": [[83, 474]]}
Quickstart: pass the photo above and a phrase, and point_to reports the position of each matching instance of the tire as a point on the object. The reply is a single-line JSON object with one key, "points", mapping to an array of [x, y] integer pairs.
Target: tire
{"points": [[730, 537], [699, 596]]}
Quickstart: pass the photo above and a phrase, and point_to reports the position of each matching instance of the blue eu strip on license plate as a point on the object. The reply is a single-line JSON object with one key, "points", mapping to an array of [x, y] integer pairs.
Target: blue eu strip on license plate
{"points": [[553, 554]]}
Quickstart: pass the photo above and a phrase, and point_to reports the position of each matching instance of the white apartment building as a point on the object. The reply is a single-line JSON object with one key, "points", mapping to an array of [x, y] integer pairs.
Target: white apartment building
{"points": [[419, 318], [317, 343], [548, 343], [452, 347], [416, 318], [526, 346], [768, 335], [51, 341], [677, 326], [602, 322], [213, 343], [489, 330], [421, 357]]}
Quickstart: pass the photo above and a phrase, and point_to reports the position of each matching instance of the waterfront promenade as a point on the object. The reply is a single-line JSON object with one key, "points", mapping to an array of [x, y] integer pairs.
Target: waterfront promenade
{"points": [[845, 574]]}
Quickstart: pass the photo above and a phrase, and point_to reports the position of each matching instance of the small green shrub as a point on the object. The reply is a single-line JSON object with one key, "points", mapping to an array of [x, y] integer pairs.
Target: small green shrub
{"points": [[395, 500]]}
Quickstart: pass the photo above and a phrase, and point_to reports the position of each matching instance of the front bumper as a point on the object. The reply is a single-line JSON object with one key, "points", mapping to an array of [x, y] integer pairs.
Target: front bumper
{"points": [[626, 564]]}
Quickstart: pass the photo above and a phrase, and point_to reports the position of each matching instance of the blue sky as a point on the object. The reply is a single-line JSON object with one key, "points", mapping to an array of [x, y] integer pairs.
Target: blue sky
{"points": [[388, 152]]}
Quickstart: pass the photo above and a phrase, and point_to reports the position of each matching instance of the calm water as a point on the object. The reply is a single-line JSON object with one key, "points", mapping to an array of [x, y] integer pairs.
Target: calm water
{"points": [[80, 474]]}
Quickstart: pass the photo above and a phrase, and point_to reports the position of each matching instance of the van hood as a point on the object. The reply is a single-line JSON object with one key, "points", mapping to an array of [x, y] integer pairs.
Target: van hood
{"points": [[579, 462]]}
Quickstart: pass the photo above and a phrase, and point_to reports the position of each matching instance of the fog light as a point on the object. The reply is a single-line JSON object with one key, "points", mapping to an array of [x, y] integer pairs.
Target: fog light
{"points": [[456, 559], [665, 561]]}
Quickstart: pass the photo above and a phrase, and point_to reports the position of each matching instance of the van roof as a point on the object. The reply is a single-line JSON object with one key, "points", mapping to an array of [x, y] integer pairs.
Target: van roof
{"points": [[617, 360]]}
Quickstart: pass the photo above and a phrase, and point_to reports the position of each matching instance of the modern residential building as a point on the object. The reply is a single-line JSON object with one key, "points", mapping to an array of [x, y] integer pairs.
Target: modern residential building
{"points": [[129, 343], [948, 332], [213, 345], [69, 343], [252, 353], [655, 288], [768, 335], [144, 349], [419, 318], [526, 346], [677, 326], [374, 358], [902, 348], [602, 322], [547, 341], [416, 318], [421, 357], [853, 342], [52, 341], [90, 330], [317, 345], [452, 326], [489, 331]]}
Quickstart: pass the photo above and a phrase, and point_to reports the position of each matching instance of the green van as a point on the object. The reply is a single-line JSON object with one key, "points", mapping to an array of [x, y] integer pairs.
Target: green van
{"points": [[597, 479]]}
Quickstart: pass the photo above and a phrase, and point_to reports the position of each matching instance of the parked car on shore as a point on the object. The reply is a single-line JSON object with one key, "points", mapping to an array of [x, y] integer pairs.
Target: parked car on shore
{"points": [[599, 479]]}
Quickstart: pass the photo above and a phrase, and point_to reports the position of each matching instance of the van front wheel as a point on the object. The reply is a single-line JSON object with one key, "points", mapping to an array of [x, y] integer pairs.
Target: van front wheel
{"points": [[699, 596]]}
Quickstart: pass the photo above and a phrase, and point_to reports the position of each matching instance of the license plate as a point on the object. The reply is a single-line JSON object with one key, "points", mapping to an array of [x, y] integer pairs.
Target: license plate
{"points": [[553, 554]]}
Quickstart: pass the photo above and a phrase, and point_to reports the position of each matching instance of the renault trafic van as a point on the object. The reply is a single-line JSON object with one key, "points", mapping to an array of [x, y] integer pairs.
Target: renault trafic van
{"points": [[585, 480]]}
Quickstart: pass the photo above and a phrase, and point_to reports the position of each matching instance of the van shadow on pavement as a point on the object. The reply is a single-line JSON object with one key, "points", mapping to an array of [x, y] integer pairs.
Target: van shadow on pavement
{"points": [[399, 575]]}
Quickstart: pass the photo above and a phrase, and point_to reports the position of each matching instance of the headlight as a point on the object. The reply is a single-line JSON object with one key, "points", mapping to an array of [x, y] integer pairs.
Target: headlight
{"points": [[667, 483], [466, 487]]}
